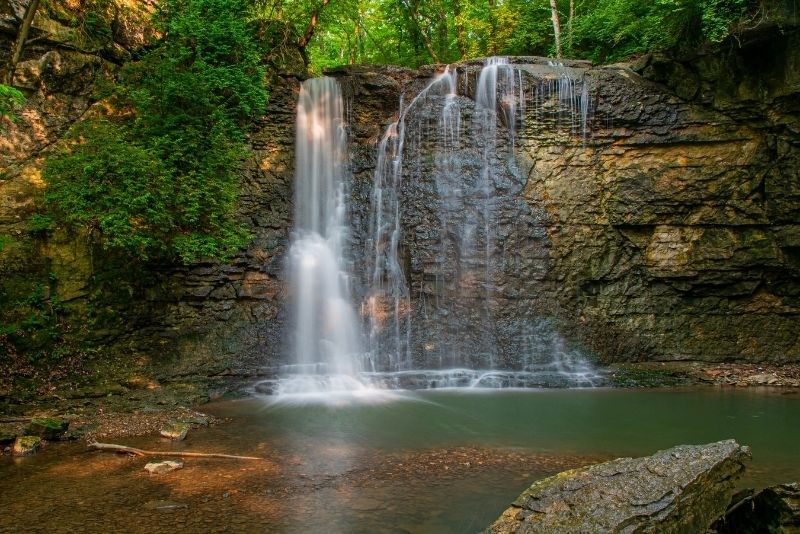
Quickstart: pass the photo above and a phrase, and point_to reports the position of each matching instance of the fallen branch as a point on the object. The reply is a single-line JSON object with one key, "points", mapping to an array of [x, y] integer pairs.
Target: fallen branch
{"points": [[140, 452]]}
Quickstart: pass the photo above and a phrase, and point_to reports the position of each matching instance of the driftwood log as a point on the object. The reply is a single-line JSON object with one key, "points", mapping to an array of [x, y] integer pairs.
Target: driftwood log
{"points": [[111, 447]]}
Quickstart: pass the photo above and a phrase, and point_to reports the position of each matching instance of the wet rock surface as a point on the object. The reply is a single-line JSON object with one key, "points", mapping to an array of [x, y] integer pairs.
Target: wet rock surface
{"points": [[683, 489], [773, 509], [26, 445], [47, 428]]}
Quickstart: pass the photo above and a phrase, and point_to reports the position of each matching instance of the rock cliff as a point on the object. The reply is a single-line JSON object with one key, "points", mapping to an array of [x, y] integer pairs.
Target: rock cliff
{"points": [[668, 228]]}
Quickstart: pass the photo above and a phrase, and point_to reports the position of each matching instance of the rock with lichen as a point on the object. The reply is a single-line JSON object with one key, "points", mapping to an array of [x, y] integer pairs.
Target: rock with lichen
{"points": [[175, 430], [162, 468], [682, 489]]}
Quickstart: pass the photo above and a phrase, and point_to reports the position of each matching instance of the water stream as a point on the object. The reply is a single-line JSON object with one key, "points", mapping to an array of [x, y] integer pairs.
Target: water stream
{"points": [[459, 137], [327, 340]]}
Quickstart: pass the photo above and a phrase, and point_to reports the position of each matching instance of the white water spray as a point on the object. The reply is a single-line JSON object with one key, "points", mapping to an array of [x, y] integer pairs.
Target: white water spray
{"points": [[326, 341]]}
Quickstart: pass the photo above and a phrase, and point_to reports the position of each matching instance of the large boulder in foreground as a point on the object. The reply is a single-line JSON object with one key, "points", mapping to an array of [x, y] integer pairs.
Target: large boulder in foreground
{"points": [[683, 489]]}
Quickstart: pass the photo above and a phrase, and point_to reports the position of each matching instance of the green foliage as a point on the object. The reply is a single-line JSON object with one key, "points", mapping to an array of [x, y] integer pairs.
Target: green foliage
{"points": [[415, 32], [38, 224], [10, 100], [162, 181], [614, 29], [34, 324]]}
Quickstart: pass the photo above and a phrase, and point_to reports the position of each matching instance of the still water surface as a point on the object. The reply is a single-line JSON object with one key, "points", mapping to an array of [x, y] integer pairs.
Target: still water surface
{"points": [[436, 461]]}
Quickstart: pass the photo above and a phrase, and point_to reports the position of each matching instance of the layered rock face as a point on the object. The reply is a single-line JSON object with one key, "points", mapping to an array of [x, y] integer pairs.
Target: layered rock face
{"points": [[676, 223], [667, 228], [663, 228], [683, 489]]}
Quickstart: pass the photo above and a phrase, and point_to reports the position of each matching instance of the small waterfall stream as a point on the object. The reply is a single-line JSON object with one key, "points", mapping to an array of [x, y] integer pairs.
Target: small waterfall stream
{"points": [[327, 342], [463, 143]]}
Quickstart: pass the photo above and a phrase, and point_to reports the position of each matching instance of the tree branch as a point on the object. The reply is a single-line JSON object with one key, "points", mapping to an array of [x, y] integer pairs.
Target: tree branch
{"points": [[302, 43], [19, 44], [140, 452]]}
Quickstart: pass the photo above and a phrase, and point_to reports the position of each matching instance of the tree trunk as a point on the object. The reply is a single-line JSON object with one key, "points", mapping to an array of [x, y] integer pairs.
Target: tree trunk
{"points": [[462, 48], [302, 43], [426, 39], [19, 44], [556, 27]]}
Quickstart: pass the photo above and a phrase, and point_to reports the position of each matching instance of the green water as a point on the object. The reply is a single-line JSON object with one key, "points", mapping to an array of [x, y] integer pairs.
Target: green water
{"points": [[613, 422], [426, 462]]}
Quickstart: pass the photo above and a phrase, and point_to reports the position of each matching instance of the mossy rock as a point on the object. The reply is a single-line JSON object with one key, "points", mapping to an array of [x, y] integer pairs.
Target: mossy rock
{"points": [[7, 436], [176, 430], [26, 445], [47, 428]]}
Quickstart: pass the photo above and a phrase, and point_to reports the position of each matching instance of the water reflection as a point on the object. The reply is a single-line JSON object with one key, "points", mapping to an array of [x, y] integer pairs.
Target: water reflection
{"points": [[423, 462]]}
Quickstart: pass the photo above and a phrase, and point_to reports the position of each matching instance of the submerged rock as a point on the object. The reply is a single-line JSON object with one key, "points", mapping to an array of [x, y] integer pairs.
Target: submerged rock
{"points": [[162, 468], [774, 509], [26, 445], [682, 489], [164, 505]]}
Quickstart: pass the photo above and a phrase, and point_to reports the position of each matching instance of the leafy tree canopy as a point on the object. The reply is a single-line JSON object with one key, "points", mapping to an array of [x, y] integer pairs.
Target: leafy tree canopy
{"points": [[415, 32], [159, 176]]}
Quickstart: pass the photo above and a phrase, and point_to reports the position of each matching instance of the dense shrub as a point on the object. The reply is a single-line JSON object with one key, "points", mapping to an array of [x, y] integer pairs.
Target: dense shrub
{"points": [[159, 176]]}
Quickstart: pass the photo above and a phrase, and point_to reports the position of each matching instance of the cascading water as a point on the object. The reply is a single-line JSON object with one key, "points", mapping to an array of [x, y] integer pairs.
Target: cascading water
{"points": [[388, 303], [456, 152], [326, 344], [467, 147]]}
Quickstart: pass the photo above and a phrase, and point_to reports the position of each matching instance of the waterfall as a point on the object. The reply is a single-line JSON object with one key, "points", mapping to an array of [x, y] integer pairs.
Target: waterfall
{"points": [[388, 303], [326, 341], [446, 201], [460, 133]]}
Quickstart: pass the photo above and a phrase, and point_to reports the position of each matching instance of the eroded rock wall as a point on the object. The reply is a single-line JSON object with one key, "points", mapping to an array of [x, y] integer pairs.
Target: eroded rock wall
{"points": [[668, 231], [674, 227]]}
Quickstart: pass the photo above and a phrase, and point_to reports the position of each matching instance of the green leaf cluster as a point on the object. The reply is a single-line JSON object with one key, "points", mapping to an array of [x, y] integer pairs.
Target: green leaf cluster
{"points": [[415, 32], [35, 323], [10, 100], [159, 178], [614, 29]]}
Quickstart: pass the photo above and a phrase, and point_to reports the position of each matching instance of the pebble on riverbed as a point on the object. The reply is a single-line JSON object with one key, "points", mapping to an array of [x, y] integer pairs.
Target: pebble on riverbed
{"points": [[162, 468]]}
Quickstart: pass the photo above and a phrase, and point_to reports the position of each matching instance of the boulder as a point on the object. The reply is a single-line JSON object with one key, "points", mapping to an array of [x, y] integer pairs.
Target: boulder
{"points": [[774, 509], [7, 436], [162, 468], [682, 489], [26, 445], [47, 428]]}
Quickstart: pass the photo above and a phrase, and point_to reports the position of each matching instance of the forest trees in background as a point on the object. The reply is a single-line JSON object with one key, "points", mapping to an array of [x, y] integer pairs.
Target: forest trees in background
{"points": [[416, 32]]}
